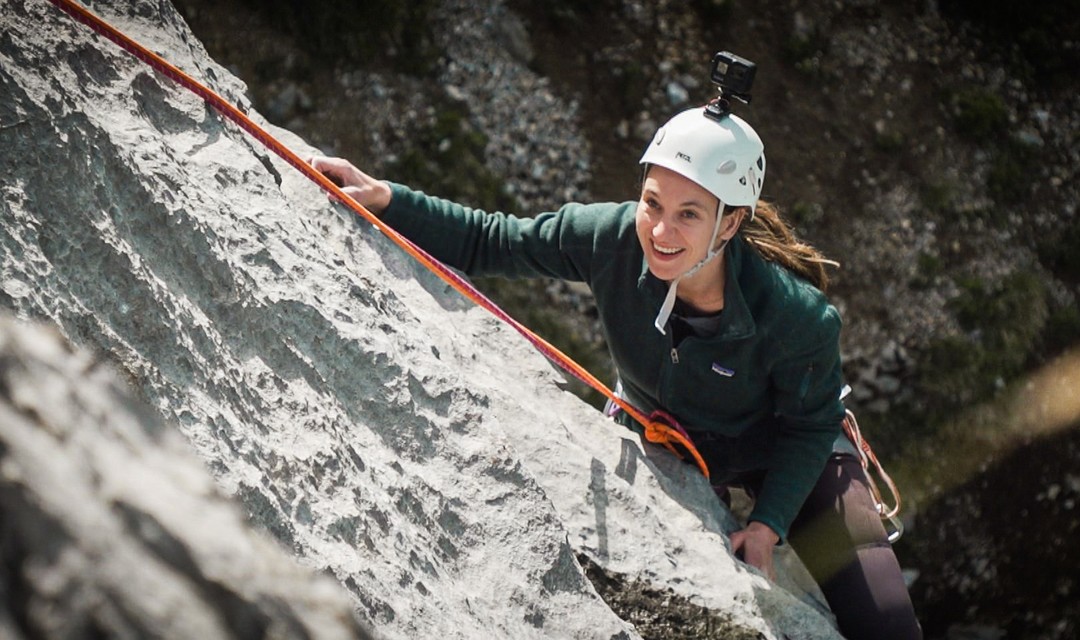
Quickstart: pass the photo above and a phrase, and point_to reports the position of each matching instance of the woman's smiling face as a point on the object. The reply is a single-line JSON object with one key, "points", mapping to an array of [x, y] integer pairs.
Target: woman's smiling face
{"points": [[675, 221]]}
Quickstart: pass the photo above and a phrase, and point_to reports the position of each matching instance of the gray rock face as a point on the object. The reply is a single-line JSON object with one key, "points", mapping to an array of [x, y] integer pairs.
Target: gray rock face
{"points": [[383, 429]]}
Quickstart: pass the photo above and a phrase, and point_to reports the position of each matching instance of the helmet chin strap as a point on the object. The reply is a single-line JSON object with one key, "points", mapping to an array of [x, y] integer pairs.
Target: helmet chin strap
{"points": [[669, 300]]}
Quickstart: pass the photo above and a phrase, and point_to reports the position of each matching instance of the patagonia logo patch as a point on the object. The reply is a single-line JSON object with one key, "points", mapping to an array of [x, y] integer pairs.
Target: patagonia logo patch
{"points": [[724, 371]]}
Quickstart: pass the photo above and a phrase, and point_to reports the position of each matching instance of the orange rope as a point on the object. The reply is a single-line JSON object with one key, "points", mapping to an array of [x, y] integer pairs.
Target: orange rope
{"points": [[656, 430]]}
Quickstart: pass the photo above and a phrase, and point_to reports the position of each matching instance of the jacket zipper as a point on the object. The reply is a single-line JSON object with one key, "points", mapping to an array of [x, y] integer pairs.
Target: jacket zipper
{"points": [[665, 375]]}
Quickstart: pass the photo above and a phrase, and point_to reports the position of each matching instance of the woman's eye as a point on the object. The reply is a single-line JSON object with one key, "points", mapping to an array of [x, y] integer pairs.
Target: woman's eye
{"points": [[690, 215]]}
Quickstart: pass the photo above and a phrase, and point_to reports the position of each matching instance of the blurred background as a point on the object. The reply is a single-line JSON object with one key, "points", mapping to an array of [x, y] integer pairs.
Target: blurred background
{"points": [[930, 147]]}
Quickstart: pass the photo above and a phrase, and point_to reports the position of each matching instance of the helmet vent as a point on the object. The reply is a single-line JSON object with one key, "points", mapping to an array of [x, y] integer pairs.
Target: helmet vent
{"points": [[727, 168]]}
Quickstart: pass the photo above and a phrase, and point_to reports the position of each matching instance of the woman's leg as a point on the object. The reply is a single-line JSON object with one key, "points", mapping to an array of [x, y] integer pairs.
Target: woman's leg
{"points": [[839, 536]]}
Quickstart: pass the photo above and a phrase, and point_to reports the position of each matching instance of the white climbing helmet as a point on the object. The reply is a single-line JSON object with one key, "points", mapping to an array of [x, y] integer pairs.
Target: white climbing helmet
{"points": [[725, 156]]}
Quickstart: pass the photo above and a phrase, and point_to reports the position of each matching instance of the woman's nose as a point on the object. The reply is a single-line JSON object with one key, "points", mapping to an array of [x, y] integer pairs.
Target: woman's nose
{"points": [[660, 229]]}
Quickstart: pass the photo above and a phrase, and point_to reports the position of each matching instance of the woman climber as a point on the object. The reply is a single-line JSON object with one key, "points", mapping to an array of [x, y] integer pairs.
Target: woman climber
{"points": [[714, 313]]}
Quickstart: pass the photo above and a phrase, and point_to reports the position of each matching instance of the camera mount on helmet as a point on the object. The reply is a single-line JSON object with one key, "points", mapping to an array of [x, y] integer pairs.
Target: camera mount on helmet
{"points": [[733, 76]]}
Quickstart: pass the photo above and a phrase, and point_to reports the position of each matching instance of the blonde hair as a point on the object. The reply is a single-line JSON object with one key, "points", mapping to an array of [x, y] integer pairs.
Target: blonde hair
{"points": [[775, 240]]}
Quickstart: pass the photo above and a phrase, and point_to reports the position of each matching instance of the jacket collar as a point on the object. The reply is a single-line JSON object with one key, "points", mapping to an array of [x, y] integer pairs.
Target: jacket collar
{"points": [[736, 322]]}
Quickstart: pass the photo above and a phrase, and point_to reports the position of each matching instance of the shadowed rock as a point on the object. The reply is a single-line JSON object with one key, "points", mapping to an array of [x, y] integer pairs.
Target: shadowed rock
{"points": [[111, 527]]}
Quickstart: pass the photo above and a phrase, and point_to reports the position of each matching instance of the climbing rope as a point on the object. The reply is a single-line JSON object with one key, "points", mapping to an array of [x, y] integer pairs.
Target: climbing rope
{"points": [[659, 428]]}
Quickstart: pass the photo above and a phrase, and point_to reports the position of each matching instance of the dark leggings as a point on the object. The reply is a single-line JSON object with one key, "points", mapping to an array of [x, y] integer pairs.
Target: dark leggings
{"points": [[839, 536]]}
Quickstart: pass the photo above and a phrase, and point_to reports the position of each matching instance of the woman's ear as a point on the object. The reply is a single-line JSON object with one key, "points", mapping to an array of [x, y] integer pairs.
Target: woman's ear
{"points": [[731, 223]]}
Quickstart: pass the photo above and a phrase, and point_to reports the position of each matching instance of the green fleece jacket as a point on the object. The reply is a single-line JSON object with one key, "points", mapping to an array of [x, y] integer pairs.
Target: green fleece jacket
{"points": [[763, 394]]}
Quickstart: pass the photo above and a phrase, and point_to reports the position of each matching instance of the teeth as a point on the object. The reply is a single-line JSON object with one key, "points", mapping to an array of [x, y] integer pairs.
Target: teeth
{"points": [[665, 250]]}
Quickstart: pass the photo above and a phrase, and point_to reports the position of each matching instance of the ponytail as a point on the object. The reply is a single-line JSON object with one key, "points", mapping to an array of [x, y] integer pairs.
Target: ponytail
{"points": [[771, 236]]}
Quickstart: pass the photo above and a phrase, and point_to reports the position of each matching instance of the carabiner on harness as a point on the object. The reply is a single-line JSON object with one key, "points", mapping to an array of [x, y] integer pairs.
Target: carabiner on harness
{"points": [[889, 515], [894, 527]]}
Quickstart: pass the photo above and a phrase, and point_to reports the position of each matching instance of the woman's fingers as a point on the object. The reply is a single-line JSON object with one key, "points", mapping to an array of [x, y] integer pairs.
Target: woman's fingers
{"points": [[371, 193], [336, 169], [756, 547]]}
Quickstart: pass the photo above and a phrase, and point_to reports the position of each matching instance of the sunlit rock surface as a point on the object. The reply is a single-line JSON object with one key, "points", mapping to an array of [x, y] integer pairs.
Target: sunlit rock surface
{"points": [[381, 428]]}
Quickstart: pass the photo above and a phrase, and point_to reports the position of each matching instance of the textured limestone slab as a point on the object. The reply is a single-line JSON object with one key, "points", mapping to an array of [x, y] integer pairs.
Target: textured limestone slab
{"points": [[371, 420]]}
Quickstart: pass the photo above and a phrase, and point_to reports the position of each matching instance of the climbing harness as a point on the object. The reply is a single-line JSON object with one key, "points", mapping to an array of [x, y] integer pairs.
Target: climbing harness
{"points": [[888, 514], [658, 429]]}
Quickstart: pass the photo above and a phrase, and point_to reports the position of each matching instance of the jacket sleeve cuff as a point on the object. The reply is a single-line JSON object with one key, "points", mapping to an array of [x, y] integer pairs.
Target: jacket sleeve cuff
{"points": [[399, 197], [771, 521]]}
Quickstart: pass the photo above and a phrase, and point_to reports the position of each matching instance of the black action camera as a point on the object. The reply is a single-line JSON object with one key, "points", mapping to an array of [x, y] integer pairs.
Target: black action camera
{"points": [[734, 76]]}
